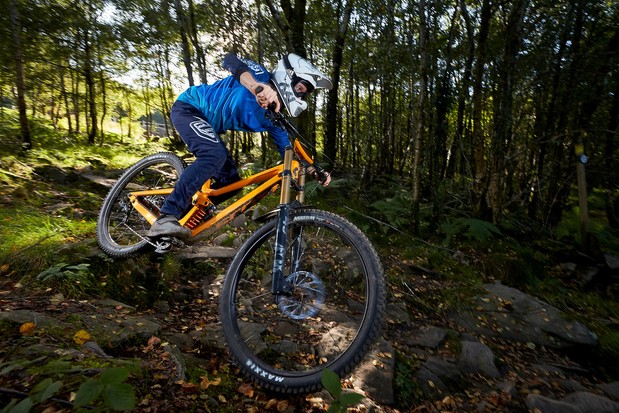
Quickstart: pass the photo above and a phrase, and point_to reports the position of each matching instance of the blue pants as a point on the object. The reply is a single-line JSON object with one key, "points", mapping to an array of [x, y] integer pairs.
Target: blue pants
{"points": [[213, 160]]}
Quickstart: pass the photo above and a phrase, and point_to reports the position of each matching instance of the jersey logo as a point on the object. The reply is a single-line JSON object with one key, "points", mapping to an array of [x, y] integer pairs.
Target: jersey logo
{"points": [[255, 67], [204, 130]]}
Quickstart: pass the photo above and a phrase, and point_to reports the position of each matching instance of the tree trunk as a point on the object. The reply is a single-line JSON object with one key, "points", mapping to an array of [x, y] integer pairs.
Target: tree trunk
{"points": [[182, 28], [197, 44], [610, 148], [421, 122], [330, 142], [20, 75], [480, 184], [458, 161], [90, 85], [291, 23], [503, 117], [103, 89]]}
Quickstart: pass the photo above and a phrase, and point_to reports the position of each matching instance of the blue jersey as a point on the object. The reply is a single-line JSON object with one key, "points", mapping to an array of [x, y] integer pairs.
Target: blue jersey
{"points": [[228, 105]]}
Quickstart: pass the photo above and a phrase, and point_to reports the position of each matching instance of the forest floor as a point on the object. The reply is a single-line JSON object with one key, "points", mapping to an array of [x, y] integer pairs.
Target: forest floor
{"points": [[213, 384], [52, 347]]}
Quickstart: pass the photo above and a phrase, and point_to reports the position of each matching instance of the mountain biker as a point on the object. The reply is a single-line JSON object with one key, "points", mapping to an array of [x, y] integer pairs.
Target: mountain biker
{"points": [[238, 102]]}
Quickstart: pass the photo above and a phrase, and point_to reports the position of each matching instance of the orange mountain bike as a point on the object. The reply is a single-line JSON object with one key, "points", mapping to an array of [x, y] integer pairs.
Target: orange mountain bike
{"points": [[304, 293]]}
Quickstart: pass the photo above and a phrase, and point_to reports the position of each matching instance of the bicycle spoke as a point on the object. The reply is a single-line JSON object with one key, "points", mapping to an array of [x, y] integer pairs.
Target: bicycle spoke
{"points": [[121, 228], [315, 323]]}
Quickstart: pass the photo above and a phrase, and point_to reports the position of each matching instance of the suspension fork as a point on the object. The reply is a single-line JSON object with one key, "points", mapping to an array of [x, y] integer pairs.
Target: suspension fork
{"points": [[279, 285]]}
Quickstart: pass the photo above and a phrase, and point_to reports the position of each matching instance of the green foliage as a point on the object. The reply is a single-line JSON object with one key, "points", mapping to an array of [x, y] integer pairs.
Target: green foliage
{"points": [[109, 389], [470, 229], [43, 391], [71, 280], [341, 401], [407, 390], [105, 393], [520, 269], [396, 210]]}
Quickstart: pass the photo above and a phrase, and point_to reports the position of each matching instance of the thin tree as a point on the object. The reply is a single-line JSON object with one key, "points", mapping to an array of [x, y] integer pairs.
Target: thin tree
{"points": [[330, 140], [16, 29]]}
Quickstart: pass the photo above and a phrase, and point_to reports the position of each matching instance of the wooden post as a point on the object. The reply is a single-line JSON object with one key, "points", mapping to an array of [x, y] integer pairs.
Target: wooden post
{"points": [[581, 160]]}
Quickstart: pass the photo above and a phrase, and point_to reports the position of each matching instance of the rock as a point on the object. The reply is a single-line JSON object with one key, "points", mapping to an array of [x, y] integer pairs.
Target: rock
{"points": [[430, 337], [547, 405], [513, 315], [507, 387], [206, 253], [90, 347], [179, 361], [28, 316], [238, 241], [477, 358], [238, 221], [570, 386], [587, 275], [220, 239], [108, 304], [119, 331], [376, 373], [612, 262], [258, 211], [434, 373], [183, 341], [397, 312], [589, 402], [611, 389], [211, 335], [161, 306], [442, 368]]}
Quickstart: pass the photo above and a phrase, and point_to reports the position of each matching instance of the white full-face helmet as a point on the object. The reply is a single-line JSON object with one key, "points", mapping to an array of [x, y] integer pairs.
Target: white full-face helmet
{"points": [[292, 70]]}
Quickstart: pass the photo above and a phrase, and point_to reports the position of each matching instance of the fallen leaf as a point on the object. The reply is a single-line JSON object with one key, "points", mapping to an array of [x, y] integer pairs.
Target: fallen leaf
{"points": [[186, 386], [27, 328], [152, 342], [247, 390], [222, 398], [81, 337], [271, 403], [206, 382], [282, 405]]}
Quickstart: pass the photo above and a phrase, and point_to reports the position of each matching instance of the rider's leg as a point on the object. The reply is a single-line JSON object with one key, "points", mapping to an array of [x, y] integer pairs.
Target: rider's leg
{"points": [[211, 154], [227, 175]]}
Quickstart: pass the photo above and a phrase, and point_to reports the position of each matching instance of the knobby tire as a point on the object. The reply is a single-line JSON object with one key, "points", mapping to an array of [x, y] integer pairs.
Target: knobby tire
{"points": [[328, 321], [121, 230]]}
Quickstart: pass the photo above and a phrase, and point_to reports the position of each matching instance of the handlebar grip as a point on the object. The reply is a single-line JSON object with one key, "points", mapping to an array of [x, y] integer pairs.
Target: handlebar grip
{"points": [[272, 105]]}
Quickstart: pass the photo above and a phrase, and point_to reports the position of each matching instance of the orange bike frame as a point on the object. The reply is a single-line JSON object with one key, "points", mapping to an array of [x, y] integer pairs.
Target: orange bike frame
{"points": [[269, 181]]}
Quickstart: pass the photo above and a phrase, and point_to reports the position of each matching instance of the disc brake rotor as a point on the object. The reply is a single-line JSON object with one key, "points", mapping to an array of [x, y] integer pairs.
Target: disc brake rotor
{"points": [[307, 295]]}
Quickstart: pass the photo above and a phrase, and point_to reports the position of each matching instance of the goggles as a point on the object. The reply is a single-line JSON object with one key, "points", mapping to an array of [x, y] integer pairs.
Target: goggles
{"points": [[309, 88]]}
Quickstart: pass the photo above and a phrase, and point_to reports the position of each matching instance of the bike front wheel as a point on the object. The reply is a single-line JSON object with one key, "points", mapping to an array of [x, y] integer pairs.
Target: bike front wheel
{"points": [[328, 320], [121, 230]]}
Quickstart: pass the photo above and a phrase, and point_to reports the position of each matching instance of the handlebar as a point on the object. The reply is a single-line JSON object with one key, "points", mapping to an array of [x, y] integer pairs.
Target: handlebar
{"points": [[280, 120]]}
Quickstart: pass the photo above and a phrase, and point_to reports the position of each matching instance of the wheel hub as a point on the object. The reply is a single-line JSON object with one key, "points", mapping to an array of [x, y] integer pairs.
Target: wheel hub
{"points": [[307, 295]]}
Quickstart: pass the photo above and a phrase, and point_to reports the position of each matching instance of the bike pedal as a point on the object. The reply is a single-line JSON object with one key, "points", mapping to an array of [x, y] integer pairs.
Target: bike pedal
{"points": [[165, 244]]}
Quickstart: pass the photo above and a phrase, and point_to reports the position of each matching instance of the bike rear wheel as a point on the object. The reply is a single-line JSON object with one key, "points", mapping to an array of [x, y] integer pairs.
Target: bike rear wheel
{"points": [[329, 319], [121, 230]]}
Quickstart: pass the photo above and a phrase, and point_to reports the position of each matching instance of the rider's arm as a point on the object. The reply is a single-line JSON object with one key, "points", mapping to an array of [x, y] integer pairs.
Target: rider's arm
{"points": [[242, 73]]}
